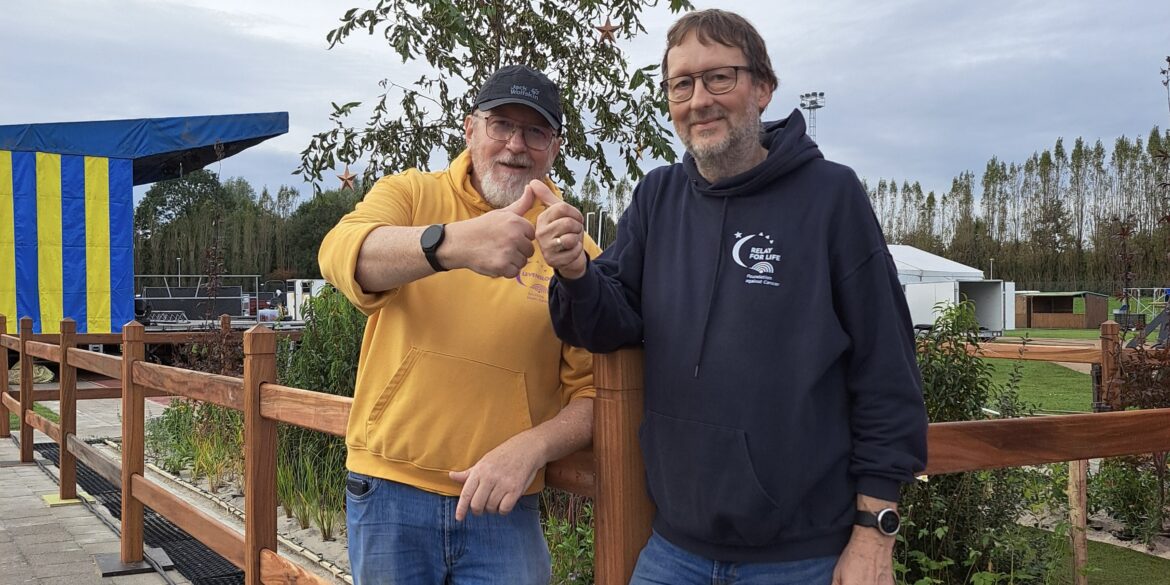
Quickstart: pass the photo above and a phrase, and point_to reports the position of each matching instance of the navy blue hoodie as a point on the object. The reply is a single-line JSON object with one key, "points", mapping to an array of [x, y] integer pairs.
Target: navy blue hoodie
{"points": [[780, 372]]}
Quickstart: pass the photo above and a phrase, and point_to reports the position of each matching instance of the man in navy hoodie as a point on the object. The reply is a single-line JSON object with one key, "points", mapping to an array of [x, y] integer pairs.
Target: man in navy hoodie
{"points": [[783, 400]]}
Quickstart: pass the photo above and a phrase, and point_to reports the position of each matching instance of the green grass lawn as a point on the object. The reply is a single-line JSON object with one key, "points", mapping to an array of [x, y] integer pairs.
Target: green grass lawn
{"points": [[1048, 386], [1092, 334], [1113, 565], [14, 423]]}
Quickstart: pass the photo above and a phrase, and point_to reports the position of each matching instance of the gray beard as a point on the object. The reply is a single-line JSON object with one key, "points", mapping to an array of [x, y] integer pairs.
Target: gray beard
{"points": [[501, 192], [736, 153]]}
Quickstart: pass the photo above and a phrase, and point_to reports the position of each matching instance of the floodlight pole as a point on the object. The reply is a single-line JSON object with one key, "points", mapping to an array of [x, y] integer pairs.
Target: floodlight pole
{"points": [[812, 101]]}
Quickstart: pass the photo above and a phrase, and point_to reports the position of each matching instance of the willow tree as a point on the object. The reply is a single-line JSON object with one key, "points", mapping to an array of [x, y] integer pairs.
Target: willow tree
{"points": [[609, 105]]}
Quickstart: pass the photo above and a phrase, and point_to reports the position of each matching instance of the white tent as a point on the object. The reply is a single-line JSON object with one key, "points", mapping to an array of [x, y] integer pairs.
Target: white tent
{"points": [[928, 280], [916, 265]]}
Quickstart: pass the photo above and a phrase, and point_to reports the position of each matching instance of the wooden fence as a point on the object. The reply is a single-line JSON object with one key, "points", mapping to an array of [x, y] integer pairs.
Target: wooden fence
{"points": [[610, 472]]}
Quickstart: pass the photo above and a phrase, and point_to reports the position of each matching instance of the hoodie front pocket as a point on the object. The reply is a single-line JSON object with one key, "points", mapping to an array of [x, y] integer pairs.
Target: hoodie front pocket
{"points": [[443, 412], [704, 485]]}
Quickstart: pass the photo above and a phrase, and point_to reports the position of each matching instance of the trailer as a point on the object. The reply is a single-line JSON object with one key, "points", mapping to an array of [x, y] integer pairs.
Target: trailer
{"points": [[931, 282], [298, 293]]}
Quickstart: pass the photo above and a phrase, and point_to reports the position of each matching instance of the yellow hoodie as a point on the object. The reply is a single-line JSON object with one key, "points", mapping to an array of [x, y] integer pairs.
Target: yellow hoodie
{"points": [[455, 363]]}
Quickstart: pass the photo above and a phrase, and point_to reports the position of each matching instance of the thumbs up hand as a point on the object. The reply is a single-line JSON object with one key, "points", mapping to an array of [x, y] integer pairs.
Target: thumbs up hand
{"points": [[560, 232], [497, 243]]}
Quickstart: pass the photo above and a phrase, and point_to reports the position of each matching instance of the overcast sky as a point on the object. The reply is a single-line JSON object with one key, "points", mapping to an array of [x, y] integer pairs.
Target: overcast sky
{"points": [[915, 89]]}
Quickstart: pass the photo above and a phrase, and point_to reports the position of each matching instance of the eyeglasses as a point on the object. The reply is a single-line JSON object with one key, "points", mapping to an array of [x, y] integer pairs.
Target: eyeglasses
{"points": [[502, 129], [718, 81]]}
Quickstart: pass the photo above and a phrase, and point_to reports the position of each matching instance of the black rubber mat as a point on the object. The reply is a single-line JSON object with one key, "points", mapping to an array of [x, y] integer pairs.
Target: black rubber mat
{"points": [[196, 562]]}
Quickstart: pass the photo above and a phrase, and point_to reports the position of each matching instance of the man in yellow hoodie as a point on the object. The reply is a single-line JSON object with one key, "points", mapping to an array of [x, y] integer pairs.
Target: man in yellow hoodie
{"points": [[464, 393]]}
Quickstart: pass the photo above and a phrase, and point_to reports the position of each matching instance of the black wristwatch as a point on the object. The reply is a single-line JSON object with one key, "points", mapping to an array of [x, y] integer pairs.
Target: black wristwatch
{"points": [[431, 238], [887, 521]]}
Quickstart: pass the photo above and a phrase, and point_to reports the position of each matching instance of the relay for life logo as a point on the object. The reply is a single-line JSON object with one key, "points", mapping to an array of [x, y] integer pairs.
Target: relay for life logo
{"points": [[757, 253]]}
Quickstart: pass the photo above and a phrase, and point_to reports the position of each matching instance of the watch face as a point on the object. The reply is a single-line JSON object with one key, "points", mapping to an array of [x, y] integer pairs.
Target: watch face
{"points": [[431, 237], [889, 522]]}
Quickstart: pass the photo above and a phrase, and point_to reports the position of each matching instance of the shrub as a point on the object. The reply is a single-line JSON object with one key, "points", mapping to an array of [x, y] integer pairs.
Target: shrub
{"points": [[311, 465], [1127, 488], [963, 528], [568, 528], [1132, 490]]}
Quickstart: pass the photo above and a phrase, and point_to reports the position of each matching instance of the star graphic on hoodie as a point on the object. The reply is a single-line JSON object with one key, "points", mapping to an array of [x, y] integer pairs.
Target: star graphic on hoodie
{"points": [[738, 235]]}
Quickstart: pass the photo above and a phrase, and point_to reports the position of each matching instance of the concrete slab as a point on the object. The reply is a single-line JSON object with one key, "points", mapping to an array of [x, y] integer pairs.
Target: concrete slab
{"points": [[42, 543]]}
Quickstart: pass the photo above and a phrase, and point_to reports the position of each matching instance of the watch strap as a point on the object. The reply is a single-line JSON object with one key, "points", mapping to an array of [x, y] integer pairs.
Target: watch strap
{"points": [[866, 519], [433, 260]]}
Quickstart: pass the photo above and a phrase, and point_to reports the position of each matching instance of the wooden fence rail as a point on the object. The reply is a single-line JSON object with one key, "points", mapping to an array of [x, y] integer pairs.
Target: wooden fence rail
{"points": [[610, 472]]}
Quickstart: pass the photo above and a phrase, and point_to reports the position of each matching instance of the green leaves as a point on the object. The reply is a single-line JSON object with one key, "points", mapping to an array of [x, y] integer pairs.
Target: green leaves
{"points": [[962, 528], [462, 42], [311, 465], [345, 110]]}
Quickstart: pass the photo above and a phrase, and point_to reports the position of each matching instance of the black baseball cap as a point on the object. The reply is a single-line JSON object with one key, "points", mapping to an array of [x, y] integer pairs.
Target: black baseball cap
{"points": [[518, 84]]}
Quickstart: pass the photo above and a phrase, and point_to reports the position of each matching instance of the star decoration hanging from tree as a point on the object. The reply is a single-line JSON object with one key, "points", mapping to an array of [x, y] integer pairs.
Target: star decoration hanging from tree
{"points": [[607, 32], [347, 179]]}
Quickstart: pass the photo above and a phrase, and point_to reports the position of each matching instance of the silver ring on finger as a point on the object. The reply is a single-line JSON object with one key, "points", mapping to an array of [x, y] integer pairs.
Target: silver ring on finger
{"points": [[560, 245]]}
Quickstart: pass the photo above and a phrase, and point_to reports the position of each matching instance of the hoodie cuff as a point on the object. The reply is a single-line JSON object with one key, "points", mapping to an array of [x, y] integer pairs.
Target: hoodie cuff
{"points": [[880, 488], [584, 289]]}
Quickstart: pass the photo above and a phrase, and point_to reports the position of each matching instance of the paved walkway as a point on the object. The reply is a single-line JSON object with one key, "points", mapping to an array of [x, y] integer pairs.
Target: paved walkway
{"points": [[44, 545], [100, 419]]}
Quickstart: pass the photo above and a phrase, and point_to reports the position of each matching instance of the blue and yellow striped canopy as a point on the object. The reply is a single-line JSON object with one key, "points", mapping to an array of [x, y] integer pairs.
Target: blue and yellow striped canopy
{"points": [[67, 207], [66, 241]]}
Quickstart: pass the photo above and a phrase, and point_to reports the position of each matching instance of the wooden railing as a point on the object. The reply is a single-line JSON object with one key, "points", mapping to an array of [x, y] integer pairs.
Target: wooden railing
{"points": [[611, 472], [255, 549]]}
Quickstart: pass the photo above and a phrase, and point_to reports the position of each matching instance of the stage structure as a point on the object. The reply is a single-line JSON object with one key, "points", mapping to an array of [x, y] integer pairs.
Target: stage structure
{"points": [[67, 207]]}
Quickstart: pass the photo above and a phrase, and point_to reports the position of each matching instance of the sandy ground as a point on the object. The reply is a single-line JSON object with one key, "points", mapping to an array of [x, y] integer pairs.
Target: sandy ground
{"points": [[1082, 368], [1102, 528]]}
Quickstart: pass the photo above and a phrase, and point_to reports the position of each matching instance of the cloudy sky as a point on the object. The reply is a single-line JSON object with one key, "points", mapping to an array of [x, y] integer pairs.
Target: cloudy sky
{"points": [[915, 89]]}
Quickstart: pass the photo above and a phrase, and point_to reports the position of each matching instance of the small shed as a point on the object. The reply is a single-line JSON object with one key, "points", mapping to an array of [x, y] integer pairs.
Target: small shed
{"points": [[1058, 310]]}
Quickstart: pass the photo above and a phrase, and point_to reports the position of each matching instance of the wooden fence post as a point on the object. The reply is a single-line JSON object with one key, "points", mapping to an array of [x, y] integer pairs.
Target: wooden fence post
{"points": [[1078, 507], [1110, 357], [26, 390], [225, 324], [259, 452], [133, 349], [5, 426], [67, 463], [624, 511]]}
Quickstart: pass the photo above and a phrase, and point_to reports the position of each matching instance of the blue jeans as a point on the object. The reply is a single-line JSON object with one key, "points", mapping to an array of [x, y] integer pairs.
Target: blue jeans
{"points": [[401, 535], [662, 563]]}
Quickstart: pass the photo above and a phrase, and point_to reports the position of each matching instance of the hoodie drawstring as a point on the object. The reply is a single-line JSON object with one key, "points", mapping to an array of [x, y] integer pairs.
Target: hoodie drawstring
{"points": [[714, 287]]}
